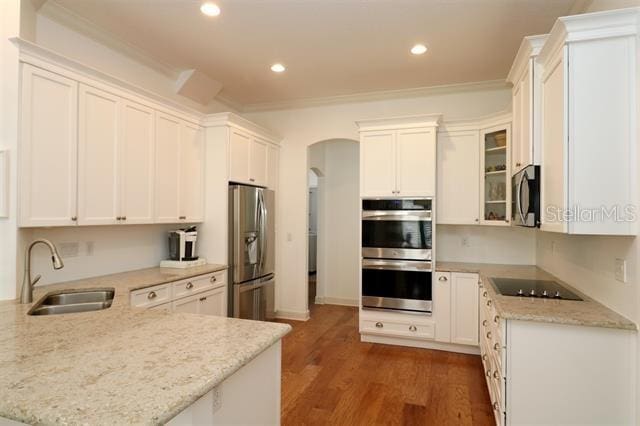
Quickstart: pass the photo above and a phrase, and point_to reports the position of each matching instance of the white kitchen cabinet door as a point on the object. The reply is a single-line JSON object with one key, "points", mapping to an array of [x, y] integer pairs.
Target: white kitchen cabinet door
{"points": [[167, 168], [442, 306], [458, 177], [273, 164], [517, 118], [239, 151], [191, 173], [258, 162], [464, 308], [137, 164], [98, 140], [525, 145], [415, 162], [188, 305], [213, 302], [378, 164], [49, 146]]}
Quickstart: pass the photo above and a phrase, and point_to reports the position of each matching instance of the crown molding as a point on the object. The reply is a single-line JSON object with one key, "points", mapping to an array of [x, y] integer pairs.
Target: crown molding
{"points": [[529, 48], [60, 14], [474, 124], [377, 96], [234, 120], [406, 122]]}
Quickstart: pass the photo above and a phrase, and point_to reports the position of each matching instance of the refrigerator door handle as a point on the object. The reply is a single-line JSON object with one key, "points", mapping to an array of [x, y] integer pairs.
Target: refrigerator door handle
{"points": [[263, 228]]}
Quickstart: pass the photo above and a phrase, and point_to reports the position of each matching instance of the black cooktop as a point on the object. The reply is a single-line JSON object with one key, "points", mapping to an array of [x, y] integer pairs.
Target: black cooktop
{"points": [[533, 288]]}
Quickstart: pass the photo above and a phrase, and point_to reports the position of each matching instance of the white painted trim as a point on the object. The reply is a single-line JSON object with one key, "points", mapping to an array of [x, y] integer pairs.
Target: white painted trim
{"points": [[377, 96], [396, 123], [529, 48], [340, 301], [60, 14], [424, 344], [234, 120], [500, 118], [41, 57], [4, 182], [293, 315]]}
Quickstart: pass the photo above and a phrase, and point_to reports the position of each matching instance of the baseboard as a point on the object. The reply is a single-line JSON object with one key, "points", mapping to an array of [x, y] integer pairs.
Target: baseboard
{"points": [[319, 300], [340, 301], [293, 315], [424, 344]]}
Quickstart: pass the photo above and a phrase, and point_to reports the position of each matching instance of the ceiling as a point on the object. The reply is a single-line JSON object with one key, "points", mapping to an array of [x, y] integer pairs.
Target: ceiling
{"points": [[330, 47]]}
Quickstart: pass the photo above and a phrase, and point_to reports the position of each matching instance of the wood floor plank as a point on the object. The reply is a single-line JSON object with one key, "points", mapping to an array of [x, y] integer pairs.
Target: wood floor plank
{"points": [[329, 377]]}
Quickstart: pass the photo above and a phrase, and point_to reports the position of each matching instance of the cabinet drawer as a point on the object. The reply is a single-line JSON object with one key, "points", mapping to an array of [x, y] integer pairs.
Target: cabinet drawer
{"points": [[421, 331], [197, 284], [151, 296]]}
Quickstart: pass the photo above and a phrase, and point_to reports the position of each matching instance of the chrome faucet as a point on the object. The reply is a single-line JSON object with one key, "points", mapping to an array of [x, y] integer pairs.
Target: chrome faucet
{"points": [[26, 295]]}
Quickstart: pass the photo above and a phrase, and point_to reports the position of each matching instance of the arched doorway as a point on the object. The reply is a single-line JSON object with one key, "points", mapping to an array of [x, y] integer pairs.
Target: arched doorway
{"points": [[333, 222]]}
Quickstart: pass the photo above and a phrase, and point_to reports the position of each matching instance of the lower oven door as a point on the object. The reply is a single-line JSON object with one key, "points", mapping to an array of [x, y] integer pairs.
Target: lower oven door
{"points": [[402, 285]]}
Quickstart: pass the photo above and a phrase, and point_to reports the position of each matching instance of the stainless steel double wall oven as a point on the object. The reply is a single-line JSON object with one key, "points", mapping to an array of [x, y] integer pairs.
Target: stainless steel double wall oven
{"points": [[397, 244]]}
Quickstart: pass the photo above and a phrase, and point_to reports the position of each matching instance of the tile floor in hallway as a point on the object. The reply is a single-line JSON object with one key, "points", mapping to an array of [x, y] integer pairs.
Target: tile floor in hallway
{"points": [[330, 377]]}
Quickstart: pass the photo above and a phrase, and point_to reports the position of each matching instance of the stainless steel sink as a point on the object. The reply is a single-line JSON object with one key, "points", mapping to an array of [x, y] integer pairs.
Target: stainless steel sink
{"points": [[67, 302]]}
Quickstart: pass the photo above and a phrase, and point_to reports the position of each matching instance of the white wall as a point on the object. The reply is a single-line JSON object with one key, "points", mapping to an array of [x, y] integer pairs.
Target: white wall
{"points": [[600, 5], [115, 249], [486, 244], [305, 126]]}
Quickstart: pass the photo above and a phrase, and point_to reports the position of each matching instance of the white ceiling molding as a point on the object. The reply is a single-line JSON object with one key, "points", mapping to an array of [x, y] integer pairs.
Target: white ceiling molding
{"points": [[198, 86], [58, 13], [234, 120], [529, 48], [378, 96], [405, 122]]}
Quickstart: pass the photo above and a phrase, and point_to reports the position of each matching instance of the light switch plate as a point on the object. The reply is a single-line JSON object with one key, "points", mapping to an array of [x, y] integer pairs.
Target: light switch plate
{"points": [[621, 270]]}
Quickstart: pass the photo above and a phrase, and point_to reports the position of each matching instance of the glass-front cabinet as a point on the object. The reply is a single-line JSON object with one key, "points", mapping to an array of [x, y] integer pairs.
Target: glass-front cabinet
{"points": [[495, 187]]}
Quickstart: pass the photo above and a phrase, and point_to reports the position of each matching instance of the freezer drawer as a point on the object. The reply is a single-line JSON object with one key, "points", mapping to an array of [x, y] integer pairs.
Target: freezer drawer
{"points": [[254, 299]]}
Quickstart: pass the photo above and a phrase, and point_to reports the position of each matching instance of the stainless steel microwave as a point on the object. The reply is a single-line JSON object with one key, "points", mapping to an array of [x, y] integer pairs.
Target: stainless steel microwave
{"points": [[525, 197]]}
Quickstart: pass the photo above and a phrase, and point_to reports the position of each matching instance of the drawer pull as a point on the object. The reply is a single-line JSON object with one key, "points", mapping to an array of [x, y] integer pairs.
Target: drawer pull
{"points": [[189, 285], [484, 293], [213, 279], [488, 335], [488, 373], [413, 328], [496, 346], [496, 374], [484, 323], [484, 357], [202, 299], [442, 279], [489, 302], [496, 406], [74, 218], [496, 319], [152, 295], [379, 325]]}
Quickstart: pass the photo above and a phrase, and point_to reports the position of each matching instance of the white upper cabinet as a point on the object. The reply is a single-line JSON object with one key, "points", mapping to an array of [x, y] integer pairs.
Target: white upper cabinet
{"points": [[458, 194], [137, 169], [167, 167], [191, 173], [589, 122], [525, 76], [495, 175], [98, 136], [249, 158], [398, 157], [48, 157]]}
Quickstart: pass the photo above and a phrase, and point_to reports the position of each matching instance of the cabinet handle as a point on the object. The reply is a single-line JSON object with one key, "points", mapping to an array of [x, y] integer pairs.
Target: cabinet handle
{"points": [[74, 218], [252, 179], [496, 319], [484, 293], [182, 217], [124, 218], [488, 335], [477, 220], [189, 285], [379, 325], [496, 347], [213, 279], [484, 323], [202, 299], [489, 302], [152, 295], [484, 357], [118, 217], [517, 164], [496, 374], [488, 373], [413, 328], [496, 406], [443, 278]]}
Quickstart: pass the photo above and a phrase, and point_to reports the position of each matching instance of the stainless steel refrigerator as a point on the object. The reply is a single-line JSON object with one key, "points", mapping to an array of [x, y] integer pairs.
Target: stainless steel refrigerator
{"points": [[251, 252]]}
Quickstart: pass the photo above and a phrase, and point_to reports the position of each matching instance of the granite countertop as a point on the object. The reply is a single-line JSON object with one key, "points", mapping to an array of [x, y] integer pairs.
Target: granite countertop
{"points": [[587, 312], [120, 365]]}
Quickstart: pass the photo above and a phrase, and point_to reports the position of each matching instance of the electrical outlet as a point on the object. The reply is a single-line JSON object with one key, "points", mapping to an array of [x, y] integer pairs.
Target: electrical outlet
{"points": [[621, 270], [68, 250]]}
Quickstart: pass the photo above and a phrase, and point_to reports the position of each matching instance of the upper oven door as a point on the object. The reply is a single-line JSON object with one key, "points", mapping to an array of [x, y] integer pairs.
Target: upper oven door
{"points": [[397, 234]]}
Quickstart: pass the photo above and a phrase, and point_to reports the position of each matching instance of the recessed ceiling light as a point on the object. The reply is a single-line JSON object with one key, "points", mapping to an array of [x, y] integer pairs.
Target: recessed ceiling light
{"points": [[277, 68], [418, 49], [210, 9]]}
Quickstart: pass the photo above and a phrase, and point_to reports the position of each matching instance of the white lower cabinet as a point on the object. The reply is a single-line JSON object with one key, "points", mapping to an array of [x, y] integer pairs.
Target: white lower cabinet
{"points": [[455, 306], [396, 328], [203, 294]]}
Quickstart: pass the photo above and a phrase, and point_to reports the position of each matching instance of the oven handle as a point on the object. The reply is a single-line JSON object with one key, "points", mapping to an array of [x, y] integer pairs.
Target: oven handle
{"points": [[397, 265], [408, 215], [522, 178]]}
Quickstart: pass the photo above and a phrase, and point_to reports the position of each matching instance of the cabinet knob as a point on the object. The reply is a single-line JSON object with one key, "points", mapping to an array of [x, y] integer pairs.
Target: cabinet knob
{"points": [[189, 285], [484, 293], [379, 325], [477, 220], [488, 335], [152, 295], [517, 164], [488, 373], [252, 179], [496, 319], [496, 347], [442, 278], [496, 406], [118, 217], [213, 279], [496, 374], [484, 323], [413, 328], [74, 218], [484, 357], [202, 299], [124, 218], [182, 217], [489, 302]]}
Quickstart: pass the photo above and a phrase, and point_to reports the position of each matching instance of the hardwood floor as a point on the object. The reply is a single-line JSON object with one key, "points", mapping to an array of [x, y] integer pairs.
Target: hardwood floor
{"points": [[329, 377]]}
